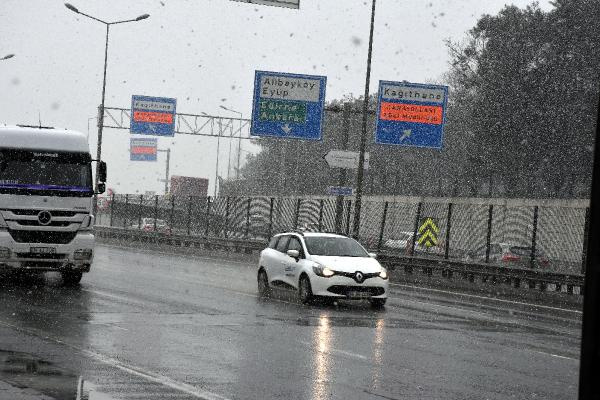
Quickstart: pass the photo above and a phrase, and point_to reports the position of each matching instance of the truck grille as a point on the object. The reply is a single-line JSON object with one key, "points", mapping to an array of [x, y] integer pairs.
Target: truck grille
{"points": [[53, 237]]}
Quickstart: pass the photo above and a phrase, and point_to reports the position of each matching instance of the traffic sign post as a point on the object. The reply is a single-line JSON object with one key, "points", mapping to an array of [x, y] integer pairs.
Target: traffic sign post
{"points": [[142, 149], [345, 159], [153, 115], [288, 105], [411, 114]]}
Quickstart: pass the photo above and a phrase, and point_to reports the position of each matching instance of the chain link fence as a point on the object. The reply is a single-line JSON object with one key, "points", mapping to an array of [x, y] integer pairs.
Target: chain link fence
{"points": [[548, 236]]}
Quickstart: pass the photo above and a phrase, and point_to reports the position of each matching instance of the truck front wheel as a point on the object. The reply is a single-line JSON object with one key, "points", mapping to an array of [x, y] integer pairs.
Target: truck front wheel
{"points": [[71, 278]]}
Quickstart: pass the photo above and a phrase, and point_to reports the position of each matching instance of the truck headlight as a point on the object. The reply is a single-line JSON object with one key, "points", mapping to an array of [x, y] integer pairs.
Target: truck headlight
{"points": [[323, 271], [4, 252], [82, 254], [88, 223], [2, 223], [383, 274]]}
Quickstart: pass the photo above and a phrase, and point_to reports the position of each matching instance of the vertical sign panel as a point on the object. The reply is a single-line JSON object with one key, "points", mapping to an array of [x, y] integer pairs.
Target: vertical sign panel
{"points": [[153, 115], [411, 114], [142, 149], [288, 105]]}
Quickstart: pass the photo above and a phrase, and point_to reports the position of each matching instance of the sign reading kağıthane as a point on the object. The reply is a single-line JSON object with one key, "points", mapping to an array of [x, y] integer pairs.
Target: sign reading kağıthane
{"points": [[288, 105], [276, 3]]}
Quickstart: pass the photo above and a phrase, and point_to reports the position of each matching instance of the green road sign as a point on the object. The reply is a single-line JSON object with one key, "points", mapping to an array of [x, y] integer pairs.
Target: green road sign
{"points": [[428, 232], [282, 111]]}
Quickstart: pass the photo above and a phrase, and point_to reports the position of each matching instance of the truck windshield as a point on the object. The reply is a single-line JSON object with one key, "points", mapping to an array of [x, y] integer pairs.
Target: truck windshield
{"points": [[45, 173]]}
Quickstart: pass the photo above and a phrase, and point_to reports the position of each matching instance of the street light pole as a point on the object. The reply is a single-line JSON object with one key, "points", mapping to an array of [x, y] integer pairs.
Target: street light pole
{"points": [[101, 108], [363, 136]]}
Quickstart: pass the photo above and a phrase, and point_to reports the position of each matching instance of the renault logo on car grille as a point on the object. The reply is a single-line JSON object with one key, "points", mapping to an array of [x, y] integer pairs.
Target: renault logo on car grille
{"points": [[44, 217], [359, 277]]}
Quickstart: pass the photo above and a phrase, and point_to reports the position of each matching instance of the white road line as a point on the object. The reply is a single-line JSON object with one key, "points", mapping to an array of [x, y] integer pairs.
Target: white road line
{"points": [[336, 351], [130, 369], [555, 355], [486, 298], [221, 261]]}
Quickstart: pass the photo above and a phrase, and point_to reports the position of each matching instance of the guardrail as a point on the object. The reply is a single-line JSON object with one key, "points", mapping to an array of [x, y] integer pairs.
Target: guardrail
{"points": [[544, 281]]}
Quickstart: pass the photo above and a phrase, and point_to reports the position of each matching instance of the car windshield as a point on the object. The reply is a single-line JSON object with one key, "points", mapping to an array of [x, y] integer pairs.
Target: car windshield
{"points": [[334, 246]]}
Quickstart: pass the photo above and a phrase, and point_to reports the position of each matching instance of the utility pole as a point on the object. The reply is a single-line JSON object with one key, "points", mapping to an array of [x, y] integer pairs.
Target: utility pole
{"points": [[363, 136]]}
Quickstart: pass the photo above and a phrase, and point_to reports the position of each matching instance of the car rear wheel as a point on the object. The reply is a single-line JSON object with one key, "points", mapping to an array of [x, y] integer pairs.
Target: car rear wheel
{"points": [[305, 294], [71, 278], [377, 303], [263, 284]]}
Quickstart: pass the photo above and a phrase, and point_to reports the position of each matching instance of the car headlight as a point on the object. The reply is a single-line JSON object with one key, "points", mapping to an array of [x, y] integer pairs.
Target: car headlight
{"points": [[83, 254], [323, 271], [383, 274]]}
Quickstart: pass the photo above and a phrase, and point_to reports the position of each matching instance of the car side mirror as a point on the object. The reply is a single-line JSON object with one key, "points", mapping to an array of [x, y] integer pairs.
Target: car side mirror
{"points": [[101, 187], [372, 255], [101, 171], [294, 254]]}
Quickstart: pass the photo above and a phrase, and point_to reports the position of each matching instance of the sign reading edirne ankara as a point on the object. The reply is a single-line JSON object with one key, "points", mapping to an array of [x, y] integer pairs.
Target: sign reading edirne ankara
{"points": [[411, 114], [153, 115], [288, 105]]}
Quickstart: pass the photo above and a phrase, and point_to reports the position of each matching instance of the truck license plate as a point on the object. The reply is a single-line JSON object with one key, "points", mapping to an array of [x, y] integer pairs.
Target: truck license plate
{"points": [[42, 250]]}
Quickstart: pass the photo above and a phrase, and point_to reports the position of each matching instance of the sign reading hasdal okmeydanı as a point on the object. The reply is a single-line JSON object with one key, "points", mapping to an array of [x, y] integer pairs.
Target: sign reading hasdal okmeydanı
{"points": [[288, 105], [276, 3], [153, 115], [411, 114]]}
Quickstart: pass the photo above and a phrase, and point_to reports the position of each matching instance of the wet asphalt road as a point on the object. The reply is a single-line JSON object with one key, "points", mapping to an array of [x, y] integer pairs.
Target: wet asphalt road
{"points": [[147, 325]]}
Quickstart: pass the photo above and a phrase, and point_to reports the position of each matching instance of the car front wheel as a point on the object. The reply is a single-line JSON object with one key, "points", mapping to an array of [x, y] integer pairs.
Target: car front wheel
{"points": [[305, 294], [263, 284]]}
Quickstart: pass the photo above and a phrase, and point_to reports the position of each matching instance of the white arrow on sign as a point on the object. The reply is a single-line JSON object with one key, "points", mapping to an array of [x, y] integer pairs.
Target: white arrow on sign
{"points": [[286, 128], [345, 159], [405, 134]]}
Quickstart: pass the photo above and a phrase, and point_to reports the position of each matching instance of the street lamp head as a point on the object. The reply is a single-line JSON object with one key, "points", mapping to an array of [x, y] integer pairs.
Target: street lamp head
{"points": [[6, 57], [141, 17], [72, 8], [224, 108]]}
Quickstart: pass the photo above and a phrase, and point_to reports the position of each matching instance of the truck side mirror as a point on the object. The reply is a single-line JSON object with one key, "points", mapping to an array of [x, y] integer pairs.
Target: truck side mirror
{"points": [[101, 172], [101, 187]]}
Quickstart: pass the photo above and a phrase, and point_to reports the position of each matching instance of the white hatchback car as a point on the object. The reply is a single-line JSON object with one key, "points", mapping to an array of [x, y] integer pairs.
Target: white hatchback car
{"points": [[322, 265]]}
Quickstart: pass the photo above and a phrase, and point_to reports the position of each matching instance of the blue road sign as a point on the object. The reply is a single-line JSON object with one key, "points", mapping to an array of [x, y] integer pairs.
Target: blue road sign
{"points": [[142, 149], [411, 114], [288, 105], [153, 115], [340, 191]]}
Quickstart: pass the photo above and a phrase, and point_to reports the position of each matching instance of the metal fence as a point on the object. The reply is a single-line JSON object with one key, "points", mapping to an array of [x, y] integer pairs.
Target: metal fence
{"points": [[467, 229]]}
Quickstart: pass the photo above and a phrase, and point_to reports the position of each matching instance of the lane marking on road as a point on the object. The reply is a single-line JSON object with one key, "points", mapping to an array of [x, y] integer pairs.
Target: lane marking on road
{"points": [[555, 355], [336, 351], [130, 369], [486, 298], [220, 260]]}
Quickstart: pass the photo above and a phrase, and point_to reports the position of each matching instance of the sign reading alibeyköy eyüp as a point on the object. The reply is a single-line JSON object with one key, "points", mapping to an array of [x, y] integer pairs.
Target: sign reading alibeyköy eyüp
{"points": [[276, 3], [153, 115], [288, 105], [411, 114], [142, 149]]}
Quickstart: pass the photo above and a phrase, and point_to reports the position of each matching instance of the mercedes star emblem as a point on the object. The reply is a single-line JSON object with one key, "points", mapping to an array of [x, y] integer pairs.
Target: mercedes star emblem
{"points": [[44, 217]]}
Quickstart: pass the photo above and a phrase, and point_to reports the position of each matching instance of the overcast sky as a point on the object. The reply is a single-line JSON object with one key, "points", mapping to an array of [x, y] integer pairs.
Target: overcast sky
{"points": [[204, 53]]}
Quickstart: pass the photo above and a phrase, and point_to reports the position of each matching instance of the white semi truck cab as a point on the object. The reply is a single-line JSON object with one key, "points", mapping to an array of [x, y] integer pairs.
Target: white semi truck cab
{"points": [[46, 192]]}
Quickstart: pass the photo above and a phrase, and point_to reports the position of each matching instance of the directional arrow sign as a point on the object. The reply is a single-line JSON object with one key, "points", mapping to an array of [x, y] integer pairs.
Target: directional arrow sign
{"points": [[288, 105], [345, 159], [428, 231], [411, 114]]}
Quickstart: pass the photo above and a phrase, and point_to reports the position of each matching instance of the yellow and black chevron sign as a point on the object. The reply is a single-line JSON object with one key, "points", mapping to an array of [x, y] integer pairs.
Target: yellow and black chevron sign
{"points": [[428, 232]]}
